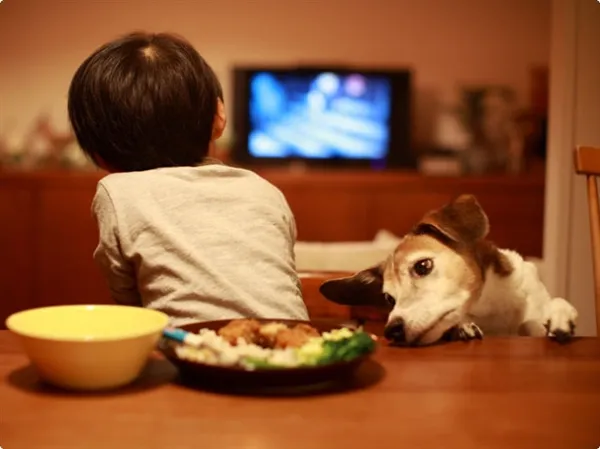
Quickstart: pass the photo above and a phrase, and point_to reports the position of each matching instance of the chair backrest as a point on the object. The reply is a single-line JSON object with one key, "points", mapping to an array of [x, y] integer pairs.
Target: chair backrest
{"points": [[587, 162]]}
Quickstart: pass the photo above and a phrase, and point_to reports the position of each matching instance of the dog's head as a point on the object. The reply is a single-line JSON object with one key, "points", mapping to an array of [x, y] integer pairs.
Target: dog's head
{"points": [[430, 279]]}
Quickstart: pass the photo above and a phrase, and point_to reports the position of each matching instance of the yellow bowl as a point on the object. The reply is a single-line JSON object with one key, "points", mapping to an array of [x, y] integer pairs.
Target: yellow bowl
{"points": [[88, 347]]}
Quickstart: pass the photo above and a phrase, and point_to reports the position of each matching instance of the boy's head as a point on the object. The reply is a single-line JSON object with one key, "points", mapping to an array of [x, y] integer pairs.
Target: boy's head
{"points": [[146, 101]]}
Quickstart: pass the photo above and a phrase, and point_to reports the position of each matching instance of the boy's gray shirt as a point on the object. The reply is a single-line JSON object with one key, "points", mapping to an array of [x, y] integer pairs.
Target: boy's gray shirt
{"points": [[198, 243]]}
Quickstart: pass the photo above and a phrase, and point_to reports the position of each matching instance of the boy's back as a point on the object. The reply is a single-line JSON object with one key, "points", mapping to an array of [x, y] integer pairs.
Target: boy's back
{"points": [[199, 243]]}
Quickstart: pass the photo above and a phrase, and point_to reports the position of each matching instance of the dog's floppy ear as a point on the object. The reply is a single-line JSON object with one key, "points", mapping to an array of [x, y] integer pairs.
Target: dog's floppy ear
{"points": [[462, 220], [364, 288]]}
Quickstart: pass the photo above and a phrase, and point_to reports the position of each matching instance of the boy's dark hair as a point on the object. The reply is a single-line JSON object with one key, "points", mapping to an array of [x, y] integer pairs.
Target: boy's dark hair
{"points": [[144, 101]]}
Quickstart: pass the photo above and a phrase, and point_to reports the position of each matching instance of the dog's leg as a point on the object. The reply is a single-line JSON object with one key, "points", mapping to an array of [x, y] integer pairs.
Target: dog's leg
{"points": [[532, 328], [556, 316], [559, 319], [464, 332]]}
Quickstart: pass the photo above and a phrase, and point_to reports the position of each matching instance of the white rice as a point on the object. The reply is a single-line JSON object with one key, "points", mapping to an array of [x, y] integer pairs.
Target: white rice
{"points": [[211, 349]]}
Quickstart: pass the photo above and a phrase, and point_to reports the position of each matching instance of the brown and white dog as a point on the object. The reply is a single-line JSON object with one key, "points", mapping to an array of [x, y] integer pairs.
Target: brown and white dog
{"points": [[446, 281]]}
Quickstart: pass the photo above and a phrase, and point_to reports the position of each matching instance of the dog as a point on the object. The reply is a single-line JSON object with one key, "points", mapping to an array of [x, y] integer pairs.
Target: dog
{"points": [[446, 281]]}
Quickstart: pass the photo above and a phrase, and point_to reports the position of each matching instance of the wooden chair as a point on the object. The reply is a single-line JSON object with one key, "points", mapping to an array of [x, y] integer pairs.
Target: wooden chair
{"points": [[587, 162]]}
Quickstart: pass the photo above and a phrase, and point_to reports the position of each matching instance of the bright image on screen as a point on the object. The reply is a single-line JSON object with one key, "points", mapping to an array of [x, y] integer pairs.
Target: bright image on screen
{"points": [[319, 116]]}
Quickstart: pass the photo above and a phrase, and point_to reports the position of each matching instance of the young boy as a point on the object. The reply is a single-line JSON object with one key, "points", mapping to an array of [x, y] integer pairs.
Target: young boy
{"points": [[178, 231]]}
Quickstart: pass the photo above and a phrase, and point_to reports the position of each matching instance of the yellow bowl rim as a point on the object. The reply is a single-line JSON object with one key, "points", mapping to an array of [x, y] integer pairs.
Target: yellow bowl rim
{"points": [[85, 339]]}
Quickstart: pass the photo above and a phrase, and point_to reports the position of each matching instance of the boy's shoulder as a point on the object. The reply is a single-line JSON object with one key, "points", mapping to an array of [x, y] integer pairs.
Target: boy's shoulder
{"points": [[165, 178], [204, 172]]}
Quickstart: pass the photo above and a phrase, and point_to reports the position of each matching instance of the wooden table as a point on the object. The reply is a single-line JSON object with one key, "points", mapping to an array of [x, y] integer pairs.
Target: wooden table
{"points": [[497, 393]]}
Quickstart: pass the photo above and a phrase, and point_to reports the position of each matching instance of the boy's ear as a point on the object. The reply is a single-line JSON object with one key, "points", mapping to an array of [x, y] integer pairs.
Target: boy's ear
{"points": [[103, 165], [220, 120], [364, 288]]}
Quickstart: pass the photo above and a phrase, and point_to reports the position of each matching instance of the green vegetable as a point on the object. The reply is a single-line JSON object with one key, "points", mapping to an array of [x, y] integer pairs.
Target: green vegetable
{"points": [[323, 351], [261, 363], [360, 343]]}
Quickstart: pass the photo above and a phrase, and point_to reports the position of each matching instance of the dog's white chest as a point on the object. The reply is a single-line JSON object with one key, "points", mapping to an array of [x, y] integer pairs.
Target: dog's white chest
{"points": [[497, 321], [503, 303]]}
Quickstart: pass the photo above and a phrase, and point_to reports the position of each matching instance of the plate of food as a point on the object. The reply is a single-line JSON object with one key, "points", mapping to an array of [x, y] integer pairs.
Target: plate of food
{"points": [[245, 353]]}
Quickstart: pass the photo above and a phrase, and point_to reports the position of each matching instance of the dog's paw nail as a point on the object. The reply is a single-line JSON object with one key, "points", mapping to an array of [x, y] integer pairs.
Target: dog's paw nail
{"points": [[477, 332], [547, 326]]}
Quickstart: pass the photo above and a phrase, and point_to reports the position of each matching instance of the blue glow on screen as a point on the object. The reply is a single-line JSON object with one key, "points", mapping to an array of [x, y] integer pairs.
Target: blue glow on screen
{"points": [[319, 116]]}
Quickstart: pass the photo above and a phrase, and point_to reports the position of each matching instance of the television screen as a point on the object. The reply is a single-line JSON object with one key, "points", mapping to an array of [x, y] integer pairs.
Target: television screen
{"points": [[319, 115]]}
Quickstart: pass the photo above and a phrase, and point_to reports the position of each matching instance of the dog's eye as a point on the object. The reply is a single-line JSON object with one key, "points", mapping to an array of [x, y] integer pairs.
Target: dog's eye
{"points": [[422, 267], [389, 299]]}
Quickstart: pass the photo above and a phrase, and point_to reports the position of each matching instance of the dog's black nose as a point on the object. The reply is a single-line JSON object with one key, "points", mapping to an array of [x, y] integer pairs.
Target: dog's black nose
{"points": [[394, 331]]}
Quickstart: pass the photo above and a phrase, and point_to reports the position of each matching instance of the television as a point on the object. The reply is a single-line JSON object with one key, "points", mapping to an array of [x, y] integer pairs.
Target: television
{"points": [[322, 116]]}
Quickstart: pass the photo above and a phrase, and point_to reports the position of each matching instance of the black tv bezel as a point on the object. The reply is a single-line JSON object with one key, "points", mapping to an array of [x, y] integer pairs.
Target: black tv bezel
{"points": [[400, 152]]}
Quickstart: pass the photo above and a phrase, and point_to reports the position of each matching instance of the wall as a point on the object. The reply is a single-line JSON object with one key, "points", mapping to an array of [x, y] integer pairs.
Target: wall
{"points": [[574, 112], [446, 42]]}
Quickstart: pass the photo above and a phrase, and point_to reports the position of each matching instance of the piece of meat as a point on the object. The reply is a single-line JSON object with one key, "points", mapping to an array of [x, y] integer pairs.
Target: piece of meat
{"points": [[267, 334], [244, 328], [294, 337], [307, 329]]}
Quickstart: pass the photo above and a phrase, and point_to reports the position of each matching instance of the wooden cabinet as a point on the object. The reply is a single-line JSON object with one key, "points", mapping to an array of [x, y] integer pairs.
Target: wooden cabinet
{"points": [[47, 234], [17, 248], [65, 271], [351, 206]]}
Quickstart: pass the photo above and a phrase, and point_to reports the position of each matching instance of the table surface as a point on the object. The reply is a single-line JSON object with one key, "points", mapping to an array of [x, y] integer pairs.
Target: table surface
{"points": [[496, 393]]}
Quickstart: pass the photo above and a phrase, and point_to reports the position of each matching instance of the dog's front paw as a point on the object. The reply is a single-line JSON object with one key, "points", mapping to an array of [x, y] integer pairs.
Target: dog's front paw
{"points": [[560, 320], [465, 332], [560, 333]]}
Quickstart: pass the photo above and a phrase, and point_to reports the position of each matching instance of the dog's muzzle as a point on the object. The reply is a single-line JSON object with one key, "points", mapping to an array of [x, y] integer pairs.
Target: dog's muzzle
{"points": [[395, 331]]}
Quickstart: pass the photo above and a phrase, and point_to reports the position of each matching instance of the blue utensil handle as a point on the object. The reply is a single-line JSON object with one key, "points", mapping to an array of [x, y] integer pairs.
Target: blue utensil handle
{"points": [[173, 333]]}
